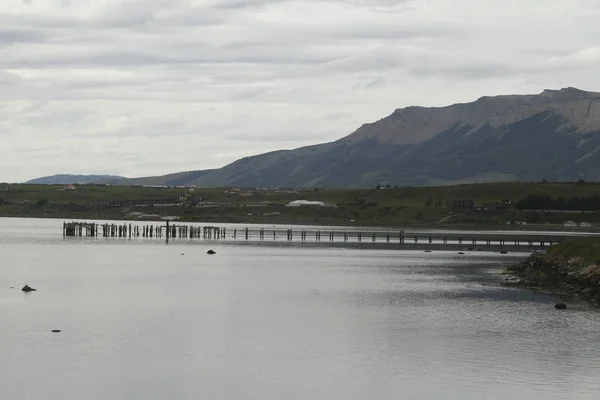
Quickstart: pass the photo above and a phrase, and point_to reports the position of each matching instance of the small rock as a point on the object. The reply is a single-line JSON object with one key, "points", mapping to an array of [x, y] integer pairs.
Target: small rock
{"points": [[27, 288], [56, 330], [181, 253], [560, 306], [211, 252], [460, 252]]}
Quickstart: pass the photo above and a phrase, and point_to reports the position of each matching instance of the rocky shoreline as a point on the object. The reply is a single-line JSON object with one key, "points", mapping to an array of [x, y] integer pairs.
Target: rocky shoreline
{"points": [[568, 276]]}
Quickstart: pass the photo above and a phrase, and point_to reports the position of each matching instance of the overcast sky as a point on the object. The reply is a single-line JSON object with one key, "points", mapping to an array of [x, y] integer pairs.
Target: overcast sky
{"points": [[150, 87]]}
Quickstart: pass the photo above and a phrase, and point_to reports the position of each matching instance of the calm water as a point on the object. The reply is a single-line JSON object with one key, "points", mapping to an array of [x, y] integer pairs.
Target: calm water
{"points": [[142, 321]]}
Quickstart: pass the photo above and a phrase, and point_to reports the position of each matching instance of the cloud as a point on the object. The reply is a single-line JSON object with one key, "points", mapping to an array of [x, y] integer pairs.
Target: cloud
{"points": [[141, 87], [588, 57]]}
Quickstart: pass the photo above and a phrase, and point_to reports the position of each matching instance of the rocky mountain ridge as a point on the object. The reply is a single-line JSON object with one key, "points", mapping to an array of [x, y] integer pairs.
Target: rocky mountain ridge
{"points": [[413, 125]]}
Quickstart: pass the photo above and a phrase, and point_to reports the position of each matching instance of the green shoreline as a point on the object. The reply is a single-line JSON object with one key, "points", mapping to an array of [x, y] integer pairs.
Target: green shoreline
{"points": [[506, 206], [570, 269]]}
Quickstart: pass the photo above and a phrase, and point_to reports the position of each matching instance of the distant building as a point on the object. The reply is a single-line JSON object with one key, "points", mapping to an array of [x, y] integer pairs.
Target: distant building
{"points": [[70, 187], [570, 223], [465, 204], [299, 203], [585, 225], [498, 206], [133, 203]]}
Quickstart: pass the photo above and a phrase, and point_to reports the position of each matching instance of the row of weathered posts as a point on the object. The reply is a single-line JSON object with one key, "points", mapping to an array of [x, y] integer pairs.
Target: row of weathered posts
{"points": [[211, 232], [146, 231]]}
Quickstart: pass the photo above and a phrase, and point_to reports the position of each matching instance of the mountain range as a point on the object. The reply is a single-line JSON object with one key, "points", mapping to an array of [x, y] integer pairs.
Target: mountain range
{"points": [[554, 135]]}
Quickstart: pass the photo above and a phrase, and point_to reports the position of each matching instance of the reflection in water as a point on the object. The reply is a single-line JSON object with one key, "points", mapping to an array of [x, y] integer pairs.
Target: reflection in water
{"points": [[252, 322]]}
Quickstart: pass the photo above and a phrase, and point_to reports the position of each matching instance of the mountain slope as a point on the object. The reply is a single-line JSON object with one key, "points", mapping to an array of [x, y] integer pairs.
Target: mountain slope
{"points": [[66, 179], [553, 135], [418, 124]]}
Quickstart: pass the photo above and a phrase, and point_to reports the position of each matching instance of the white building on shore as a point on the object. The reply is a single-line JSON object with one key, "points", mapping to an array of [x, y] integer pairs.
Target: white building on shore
{"points": [[300, 203]]}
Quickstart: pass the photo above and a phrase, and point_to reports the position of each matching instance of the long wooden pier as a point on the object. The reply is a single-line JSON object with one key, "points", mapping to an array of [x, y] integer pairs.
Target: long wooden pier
{"points": [[169, 231]]}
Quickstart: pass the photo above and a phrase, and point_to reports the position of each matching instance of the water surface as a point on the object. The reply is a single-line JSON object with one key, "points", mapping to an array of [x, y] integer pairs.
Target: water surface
{"points": [[145, 320]]}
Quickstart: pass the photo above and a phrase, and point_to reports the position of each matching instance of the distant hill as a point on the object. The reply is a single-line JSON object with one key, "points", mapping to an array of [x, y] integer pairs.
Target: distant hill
{"points": [[66, 179], [176, 179], [554, 135]]}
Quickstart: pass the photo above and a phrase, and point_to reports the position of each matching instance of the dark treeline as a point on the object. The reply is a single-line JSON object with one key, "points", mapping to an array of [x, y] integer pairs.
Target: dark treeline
{"points": [[546, 202]]}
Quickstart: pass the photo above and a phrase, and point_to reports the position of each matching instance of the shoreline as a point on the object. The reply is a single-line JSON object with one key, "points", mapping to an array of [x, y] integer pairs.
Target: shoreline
{"points": [[566, 270]]}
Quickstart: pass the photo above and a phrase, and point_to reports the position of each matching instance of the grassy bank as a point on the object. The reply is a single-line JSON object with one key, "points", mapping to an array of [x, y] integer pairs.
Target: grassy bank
{"points": [[570, 268], [588, 250], [395, 207]]}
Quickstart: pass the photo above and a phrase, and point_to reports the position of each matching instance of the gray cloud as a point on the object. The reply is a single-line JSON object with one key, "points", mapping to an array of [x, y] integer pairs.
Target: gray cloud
{"points": [[156, 86], [16, 35]]}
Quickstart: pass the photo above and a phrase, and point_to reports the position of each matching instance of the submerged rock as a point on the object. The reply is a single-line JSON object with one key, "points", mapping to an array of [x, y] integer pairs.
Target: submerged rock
{"points": [[211, 252], [560, 306], [28, 288]]}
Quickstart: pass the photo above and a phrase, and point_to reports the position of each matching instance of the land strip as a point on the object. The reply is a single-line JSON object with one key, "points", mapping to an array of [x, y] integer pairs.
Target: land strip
{"points": [[491, 206]]}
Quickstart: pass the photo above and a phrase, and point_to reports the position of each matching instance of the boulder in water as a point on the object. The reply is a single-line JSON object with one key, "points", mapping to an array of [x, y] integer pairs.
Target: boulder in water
{"points": [[211, 252], [560, 306], [28, 288]]}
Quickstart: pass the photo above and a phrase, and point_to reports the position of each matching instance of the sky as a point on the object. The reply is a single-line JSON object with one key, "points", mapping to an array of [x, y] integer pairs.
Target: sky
{"points": [[148, 87]]}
